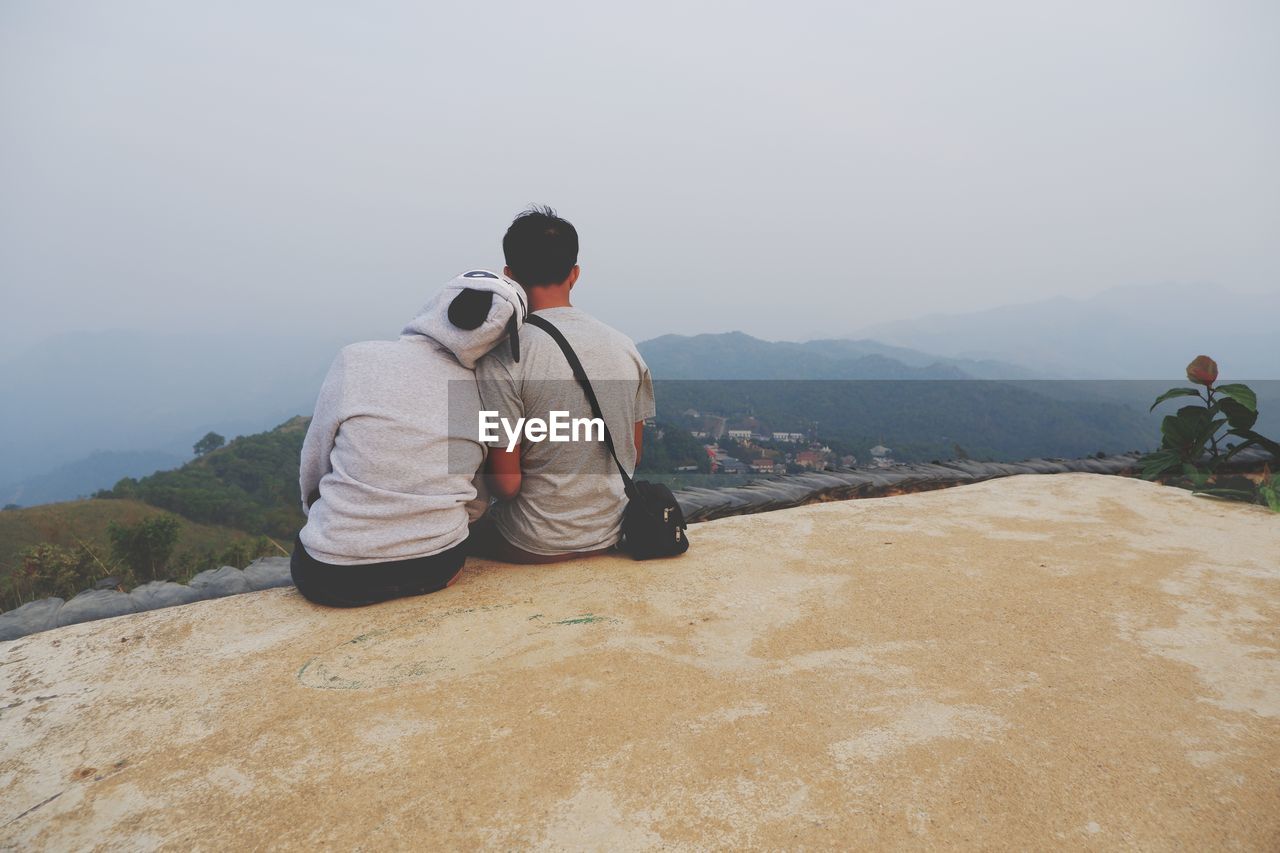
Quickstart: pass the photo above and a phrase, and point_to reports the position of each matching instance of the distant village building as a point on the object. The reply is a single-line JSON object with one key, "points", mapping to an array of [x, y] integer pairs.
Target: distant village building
{"points": [[811, 459], [740, 434], [790, 437], [882, 457], [764, 466], [723, 463]]}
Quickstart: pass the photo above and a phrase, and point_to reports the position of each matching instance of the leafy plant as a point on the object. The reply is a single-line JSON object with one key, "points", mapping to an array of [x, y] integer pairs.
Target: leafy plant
{"points": [[189, 562], [48, 569], [1195, 441], [1269, 490], [145, 547]]}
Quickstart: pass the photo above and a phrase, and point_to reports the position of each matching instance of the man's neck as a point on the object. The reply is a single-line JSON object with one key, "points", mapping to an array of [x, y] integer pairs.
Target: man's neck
{"points": [[549, 296]]}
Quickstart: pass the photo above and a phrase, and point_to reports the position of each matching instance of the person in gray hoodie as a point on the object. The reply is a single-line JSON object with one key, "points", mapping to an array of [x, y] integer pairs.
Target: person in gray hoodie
{"points": [[388, 470]]}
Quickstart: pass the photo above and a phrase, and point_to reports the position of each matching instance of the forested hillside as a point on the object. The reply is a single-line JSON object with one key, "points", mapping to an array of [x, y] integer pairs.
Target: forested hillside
{"points": [[251, 484], [920, 420]]}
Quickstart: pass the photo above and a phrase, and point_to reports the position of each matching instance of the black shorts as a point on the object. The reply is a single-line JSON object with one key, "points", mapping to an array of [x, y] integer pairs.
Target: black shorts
{"points": [[356, 586]]}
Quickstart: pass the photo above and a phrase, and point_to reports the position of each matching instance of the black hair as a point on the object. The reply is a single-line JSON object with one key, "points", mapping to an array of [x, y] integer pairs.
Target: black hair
{"points": [[540, 247]]}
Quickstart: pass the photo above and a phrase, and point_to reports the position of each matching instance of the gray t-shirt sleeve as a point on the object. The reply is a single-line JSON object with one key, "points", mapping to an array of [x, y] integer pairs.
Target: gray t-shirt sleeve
{"points": [[645, 406], [499, 391]]}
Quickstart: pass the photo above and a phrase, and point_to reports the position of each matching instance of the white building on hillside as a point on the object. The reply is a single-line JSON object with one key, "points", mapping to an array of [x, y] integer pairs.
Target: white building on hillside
{"points": [[881, 457]]}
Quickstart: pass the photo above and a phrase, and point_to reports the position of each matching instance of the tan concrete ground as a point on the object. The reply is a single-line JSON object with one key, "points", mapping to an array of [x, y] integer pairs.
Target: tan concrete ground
{"points": [[1067, 661]]}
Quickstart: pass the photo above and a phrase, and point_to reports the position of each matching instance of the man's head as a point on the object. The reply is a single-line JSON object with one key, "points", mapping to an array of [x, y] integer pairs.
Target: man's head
{"points": [[541, 248]]}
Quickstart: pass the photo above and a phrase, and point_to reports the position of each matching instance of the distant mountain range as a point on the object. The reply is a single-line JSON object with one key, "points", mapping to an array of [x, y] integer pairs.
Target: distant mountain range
{"points": [[995, 408], [735, 355], [100, 470], [932, 407], [1124, 333]]}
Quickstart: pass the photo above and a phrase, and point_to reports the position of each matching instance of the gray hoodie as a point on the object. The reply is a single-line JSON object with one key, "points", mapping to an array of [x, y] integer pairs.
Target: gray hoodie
{"points": [[395, 479]]}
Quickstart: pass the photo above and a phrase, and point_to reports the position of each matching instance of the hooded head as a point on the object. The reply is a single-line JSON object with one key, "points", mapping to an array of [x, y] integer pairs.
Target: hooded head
{"points": [[472, 314]]}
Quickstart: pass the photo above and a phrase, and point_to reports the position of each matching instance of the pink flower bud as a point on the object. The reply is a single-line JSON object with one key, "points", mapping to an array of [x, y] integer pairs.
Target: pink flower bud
{"points": [[1203, 371]]}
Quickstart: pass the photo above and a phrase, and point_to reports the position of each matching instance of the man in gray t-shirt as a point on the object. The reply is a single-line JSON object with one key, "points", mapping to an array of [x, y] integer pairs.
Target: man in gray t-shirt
{"points": [[558, 499]]}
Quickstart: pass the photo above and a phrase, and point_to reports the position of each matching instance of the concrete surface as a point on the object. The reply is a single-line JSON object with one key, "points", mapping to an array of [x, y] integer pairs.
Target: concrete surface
{"points": [[1041, 661]]}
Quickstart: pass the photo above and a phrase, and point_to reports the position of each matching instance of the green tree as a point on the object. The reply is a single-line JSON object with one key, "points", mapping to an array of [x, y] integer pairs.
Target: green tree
{"points": [[211, 442], [145, 547], [667, 447]]}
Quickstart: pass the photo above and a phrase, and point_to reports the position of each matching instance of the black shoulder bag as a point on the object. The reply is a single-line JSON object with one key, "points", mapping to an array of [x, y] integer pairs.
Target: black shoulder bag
{"points": [[652, 523]]}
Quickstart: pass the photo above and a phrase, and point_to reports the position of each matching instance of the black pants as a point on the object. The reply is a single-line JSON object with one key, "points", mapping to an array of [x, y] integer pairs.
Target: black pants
{"points": [[356, 586]]}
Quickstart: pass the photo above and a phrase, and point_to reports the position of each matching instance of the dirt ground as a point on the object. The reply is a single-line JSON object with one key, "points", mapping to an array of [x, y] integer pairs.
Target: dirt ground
{"points": [[1069, 661]]}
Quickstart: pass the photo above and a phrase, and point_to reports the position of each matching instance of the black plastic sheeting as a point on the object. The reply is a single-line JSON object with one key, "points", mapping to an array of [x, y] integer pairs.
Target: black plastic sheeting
{"points": [[846, 483], [698, 504], [95, 604]]}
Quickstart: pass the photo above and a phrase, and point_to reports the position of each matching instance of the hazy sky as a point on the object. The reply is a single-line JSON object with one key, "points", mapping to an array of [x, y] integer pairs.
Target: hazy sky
{"points": [[789, 169]]}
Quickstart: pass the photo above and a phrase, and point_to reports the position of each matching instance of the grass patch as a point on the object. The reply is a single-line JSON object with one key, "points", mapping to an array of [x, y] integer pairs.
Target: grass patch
{"points": [[71, 523]]}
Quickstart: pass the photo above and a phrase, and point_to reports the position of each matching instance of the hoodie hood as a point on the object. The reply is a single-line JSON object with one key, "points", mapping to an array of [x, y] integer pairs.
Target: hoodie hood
{"points": [[471, 315]]}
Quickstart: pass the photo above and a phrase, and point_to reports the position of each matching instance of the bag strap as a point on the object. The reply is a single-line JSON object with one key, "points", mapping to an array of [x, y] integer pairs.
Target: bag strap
{"points": [[581, 375]]}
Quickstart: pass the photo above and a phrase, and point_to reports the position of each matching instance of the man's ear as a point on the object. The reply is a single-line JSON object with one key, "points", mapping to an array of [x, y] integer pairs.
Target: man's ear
{"points": [[573, 276], [470, 308]]}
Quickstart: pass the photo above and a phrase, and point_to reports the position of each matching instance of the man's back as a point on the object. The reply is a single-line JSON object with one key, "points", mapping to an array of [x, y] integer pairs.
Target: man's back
{"points": [[571, 496]]}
